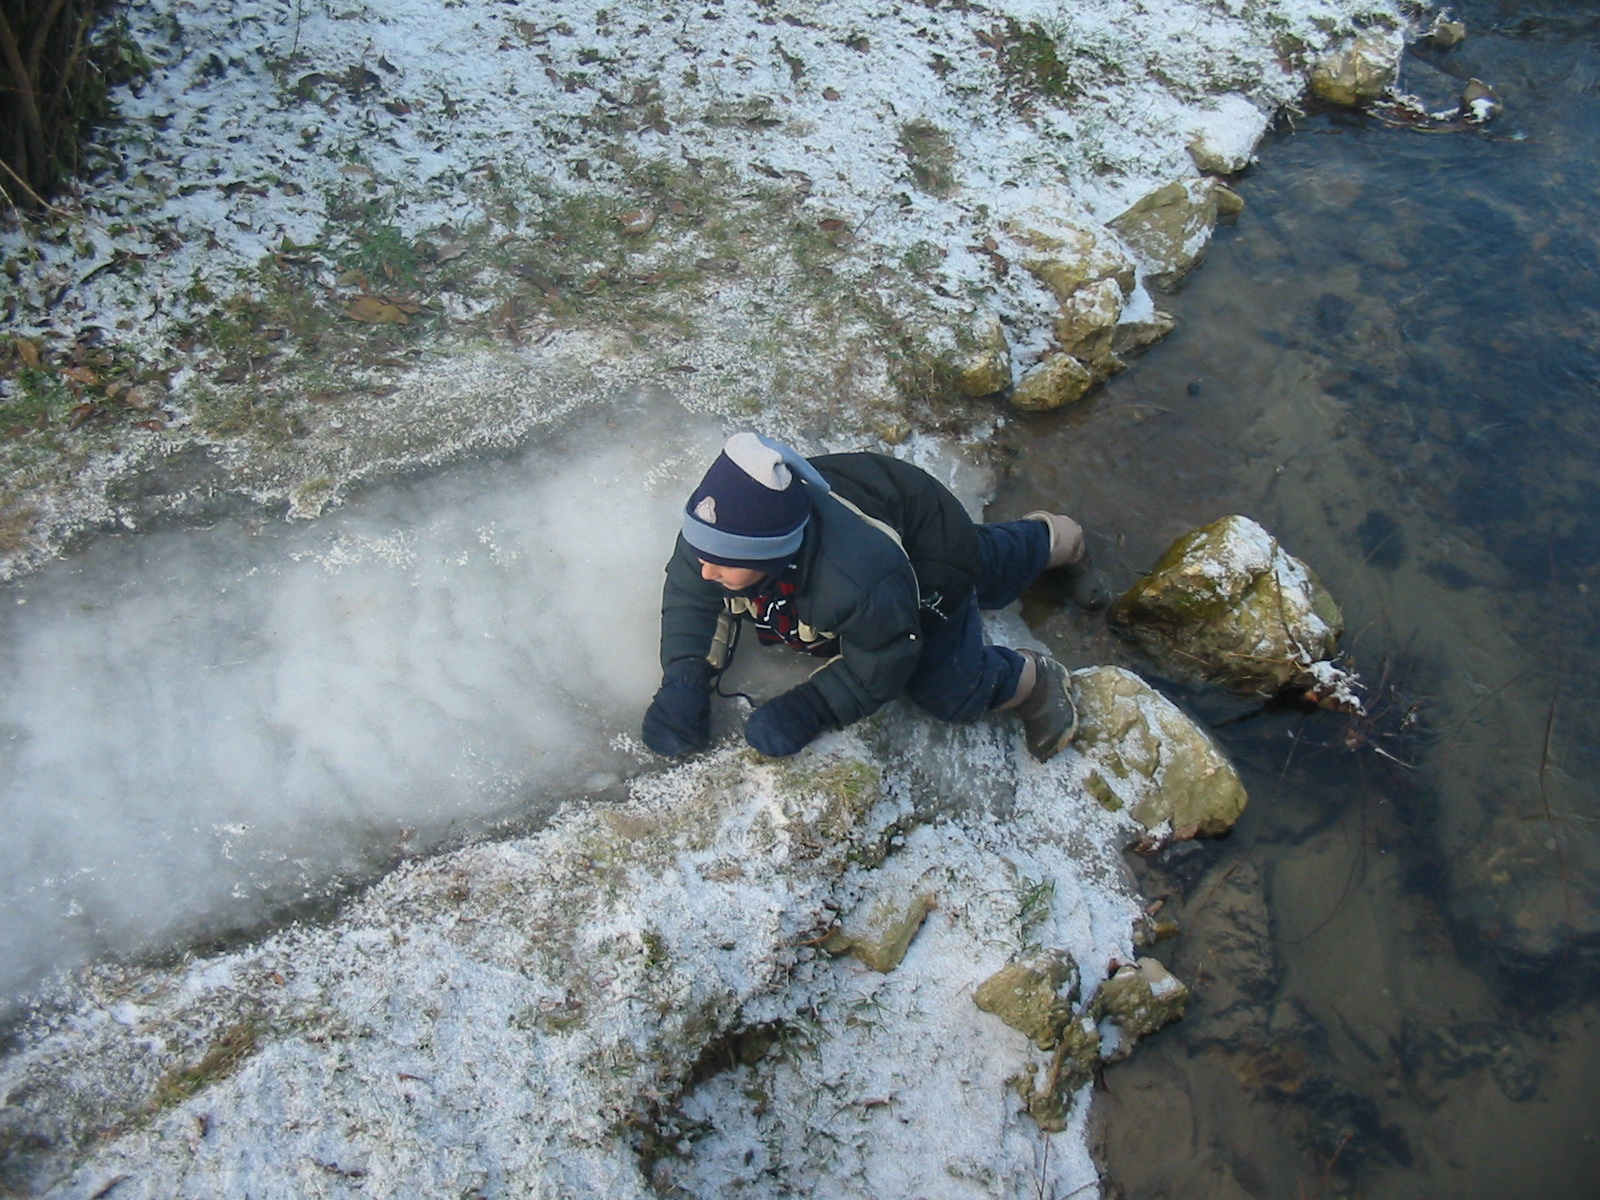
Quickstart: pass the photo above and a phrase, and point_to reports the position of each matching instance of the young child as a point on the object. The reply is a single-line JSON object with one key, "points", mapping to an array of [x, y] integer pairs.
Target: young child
{"points": [[871, 564]]}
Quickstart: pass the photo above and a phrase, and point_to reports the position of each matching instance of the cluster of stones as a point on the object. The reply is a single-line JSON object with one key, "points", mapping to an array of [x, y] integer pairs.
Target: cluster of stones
{"points": [[1144, 755], [1092, 271]]}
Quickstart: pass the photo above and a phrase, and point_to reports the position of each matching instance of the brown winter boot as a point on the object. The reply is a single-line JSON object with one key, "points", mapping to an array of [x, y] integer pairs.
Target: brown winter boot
{"points": [[1044, 702], [1070, 553]]}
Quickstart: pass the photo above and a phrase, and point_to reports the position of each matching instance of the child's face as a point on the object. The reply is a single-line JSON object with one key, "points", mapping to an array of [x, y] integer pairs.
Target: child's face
{"points": [[735, 579]]}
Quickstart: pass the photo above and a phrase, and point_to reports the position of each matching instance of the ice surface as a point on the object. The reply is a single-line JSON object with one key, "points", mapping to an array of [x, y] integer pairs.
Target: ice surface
{"points": [[203, 725]]}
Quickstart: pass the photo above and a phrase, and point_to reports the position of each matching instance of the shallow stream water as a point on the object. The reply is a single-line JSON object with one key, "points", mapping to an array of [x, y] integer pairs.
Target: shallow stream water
{"points": [[1391, 363]]}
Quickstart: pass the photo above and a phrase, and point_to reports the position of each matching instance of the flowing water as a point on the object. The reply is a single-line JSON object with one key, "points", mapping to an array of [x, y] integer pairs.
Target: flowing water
{"points": [[1392, 363]]}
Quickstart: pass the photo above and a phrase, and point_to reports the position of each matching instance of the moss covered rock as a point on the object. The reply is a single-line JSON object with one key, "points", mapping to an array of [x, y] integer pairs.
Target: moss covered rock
{"points": [[1146, 754], [1139, 999], [1359, 73], [1170, 228], [1227, 604], [1033, 995]]}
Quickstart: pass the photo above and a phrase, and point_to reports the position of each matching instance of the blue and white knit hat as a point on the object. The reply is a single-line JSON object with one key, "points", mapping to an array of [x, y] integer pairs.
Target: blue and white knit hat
{"points": [[751, 508]]}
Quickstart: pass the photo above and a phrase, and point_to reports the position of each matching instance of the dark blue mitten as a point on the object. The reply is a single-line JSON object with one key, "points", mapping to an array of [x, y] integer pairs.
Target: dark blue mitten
{"points": [[785, 724], [678, 720]]}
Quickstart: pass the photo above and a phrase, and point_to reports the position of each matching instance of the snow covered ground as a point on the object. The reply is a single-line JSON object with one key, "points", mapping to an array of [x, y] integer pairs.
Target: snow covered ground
{"points": [[727, 203]]}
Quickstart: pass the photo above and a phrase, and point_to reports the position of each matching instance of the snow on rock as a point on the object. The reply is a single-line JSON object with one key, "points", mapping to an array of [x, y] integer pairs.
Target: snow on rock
{"points": [[1226, 603], [1145, 754], [550, 1015]]}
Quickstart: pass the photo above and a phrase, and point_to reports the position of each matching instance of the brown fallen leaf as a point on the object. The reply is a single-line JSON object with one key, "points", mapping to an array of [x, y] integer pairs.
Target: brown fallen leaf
{"points": [[450, 252], [28, 352], [81, 413], [375, 311], [640, 220], [352, 278], [81, 375], [832, 224], [831, 94]]}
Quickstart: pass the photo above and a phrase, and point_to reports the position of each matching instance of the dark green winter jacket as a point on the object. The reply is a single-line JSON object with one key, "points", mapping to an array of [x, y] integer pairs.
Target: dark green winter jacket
{"points": [[854, 581]]}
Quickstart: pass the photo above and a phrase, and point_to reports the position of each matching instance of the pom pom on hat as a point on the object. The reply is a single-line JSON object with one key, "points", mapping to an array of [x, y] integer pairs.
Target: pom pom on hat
{"points": [[751, 509]]}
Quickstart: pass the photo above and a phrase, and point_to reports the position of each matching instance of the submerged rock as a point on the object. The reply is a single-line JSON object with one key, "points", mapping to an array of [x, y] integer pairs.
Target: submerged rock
{"points": [[1033, 995], [1359, 73], [1147, 754], [1170, 228], [1136, 335], [1530, 905], [1227, 604]]}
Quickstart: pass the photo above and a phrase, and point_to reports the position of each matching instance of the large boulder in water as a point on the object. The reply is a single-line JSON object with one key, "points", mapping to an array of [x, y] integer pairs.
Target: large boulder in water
{"points": [[1226, 604], [1145, 753]]}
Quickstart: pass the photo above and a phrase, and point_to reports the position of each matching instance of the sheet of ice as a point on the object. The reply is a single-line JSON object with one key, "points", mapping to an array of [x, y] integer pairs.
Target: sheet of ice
{"points": [[200, 726]]}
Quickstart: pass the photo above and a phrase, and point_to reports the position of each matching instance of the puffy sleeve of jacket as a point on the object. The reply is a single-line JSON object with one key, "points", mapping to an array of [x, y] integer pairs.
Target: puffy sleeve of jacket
{"points": [[880, 643], [690, 606]]}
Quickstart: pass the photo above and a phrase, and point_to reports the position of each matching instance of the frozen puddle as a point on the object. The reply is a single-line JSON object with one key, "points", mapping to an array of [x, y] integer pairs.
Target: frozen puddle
{"points": [[202, 726]]}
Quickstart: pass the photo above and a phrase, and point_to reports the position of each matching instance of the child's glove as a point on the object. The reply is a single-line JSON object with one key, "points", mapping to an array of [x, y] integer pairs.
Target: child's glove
{"points": [[678, 720], [785, 724]]}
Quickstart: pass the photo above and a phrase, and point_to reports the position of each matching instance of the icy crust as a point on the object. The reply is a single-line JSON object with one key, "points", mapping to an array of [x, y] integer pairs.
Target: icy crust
{"points": [[521, 1018], [907, 134]]}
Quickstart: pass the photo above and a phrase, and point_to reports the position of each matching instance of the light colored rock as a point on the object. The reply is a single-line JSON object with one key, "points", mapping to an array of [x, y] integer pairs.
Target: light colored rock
{"points": [[1130, 336], [1134, 737], [1359, 73], [1065, 253], [1228, 605], [1139, 999], [1087, 322], [1445, 32], [983, 365], [1059, 380], [1478, 101], [1223, 137], [1033, 995], [883, 935], [1170, 228]]}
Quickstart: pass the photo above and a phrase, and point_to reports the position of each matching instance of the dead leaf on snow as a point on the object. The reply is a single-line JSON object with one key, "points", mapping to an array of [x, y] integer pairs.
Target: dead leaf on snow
{"points": [[352, 278], [28, 352], [831, 94], [80, 414], [81, 375], [376, 311], [450, 252], [640, 220], [832, 224]]}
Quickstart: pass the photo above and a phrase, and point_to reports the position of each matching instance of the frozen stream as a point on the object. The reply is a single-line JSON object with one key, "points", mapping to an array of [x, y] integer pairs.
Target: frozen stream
{"points": [[206, 727]]}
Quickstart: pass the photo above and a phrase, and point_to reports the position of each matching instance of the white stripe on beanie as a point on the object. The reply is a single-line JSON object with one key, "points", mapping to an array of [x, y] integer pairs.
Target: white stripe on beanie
{"points": [[759, 461]]}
